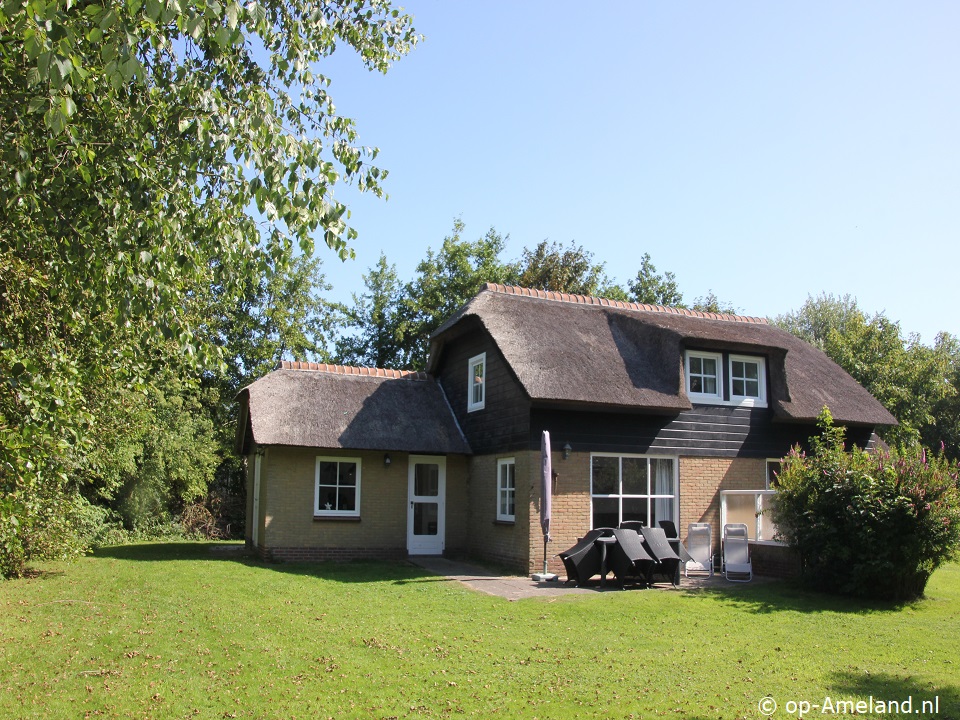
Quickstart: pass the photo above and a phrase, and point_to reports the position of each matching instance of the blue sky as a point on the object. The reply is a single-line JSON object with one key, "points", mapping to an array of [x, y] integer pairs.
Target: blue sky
{"points": [[764, 151]]}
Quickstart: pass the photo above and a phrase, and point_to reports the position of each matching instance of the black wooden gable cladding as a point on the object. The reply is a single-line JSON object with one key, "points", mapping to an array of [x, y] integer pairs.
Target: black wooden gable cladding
{"points": [[706, 430], [504, 422]]}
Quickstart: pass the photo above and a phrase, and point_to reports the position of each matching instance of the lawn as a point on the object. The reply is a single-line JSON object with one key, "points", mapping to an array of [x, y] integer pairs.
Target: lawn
{"points": [[196, 630]]}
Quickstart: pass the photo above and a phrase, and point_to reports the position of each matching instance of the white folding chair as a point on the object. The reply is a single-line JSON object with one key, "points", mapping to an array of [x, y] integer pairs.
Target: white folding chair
{"points": [[700, 549], [736, 553]]}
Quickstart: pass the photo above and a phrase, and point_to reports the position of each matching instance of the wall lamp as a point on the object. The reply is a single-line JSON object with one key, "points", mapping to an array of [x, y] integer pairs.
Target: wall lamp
{"points": [[566, 451], [386, 460]]}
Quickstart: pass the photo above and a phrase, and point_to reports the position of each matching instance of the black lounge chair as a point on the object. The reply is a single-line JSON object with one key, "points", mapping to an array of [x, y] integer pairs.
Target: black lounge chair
{"points": [[628, 559], [670, 529], [668, 562], [635, 525], [582, 561]]}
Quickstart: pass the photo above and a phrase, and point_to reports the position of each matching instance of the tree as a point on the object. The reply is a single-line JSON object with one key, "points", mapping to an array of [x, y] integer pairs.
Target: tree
{"points": [[282, 315], [653, 289], [152, 151], [568, 270], [162, 457], [375, 324], [712, 304], [447, 279], [944, 431], [819, 316], [910, 379]]}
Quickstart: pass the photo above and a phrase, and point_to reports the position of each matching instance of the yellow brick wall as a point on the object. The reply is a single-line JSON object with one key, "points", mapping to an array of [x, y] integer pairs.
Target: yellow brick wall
{"points": [[288, 478], [570, 516], [289, 528], [502, 542], [288, 481], [458, 510], [702, 479]]}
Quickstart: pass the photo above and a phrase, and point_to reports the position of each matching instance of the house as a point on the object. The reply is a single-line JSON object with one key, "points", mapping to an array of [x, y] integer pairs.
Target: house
{"points": [[655, 414]]}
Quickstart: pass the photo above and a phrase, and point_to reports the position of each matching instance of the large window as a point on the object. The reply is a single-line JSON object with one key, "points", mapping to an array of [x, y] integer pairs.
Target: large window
{"points": [[722, 379], [753, 508], [632, 487], [477, 382], [337, 490], [507, 490]]}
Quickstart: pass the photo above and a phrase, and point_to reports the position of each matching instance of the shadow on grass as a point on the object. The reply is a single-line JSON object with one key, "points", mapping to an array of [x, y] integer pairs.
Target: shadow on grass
{"points": [[358, 571], [909, 694], [173, 551], [792, 596]]}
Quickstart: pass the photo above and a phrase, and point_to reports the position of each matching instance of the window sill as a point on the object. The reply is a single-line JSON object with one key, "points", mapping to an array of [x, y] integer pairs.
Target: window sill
{"points": [[508, 523], [728, 403], [336, 518]]}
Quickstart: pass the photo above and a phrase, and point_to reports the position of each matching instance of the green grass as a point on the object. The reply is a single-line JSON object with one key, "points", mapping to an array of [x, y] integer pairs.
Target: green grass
{"points": [[187, 630]]}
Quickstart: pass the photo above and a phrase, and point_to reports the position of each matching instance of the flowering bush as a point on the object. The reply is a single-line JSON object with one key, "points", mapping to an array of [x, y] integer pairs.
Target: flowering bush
{"points": [[868, 524]]}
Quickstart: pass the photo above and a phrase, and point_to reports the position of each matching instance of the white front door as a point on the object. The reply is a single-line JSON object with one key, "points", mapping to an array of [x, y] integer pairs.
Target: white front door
{"points": [[427, 483]]}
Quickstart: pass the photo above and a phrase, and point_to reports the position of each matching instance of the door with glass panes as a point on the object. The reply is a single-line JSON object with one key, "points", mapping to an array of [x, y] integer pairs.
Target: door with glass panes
{"points": [[427, 480]]}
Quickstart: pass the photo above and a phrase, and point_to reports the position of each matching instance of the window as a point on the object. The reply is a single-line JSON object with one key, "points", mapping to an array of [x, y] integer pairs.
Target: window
{"points": [[748, 384], [337, 490], [723, 379], [476, 382], [773, 470], [507, 490], [753, 508], [632, 487], [704, 382]]}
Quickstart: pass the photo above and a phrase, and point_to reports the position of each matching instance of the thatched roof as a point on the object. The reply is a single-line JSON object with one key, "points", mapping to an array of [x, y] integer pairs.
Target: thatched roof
{"points": [[332, 406], [573, 349]]}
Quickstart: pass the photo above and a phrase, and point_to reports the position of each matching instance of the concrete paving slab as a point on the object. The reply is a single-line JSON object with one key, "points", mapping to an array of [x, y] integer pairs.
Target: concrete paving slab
{"points": [[517, 587]]}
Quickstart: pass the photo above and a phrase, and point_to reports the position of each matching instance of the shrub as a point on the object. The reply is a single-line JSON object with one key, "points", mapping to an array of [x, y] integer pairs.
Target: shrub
{"points": [[198, 521], [37, 522], [868, 524]]}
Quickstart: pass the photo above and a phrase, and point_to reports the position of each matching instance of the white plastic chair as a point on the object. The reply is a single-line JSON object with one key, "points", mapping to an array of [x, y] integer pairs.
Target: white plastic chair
{"points": [[699, 548], [736, 553]]}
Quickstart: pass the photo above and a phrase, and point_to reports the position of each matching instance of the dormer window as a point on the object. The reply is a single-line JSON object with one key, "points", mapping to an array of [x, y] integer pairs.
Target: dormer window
{"points": [[724, 379], [476, 382], [704, 380], [748, 382]]}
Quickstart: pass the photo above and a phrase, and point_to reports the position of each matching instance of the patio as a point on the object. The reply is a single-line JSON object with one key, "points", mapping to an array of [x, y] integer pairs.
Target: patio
{"points": [[516, 587]]}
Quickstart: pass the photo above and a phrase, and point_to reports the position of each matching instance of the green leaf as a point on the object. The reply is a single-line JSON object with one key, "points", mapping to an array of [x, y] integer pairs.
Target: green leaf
{"points": [[152, 9], [222, 37], [38, 104], [67, 106], [233, 14]]}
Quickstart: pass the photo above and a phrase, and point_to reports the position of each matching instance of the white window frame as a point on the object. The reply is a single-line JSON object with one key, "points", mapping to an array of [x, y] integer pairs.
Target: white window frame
{"points": [[650, 496], [713, 398], [771, 462], [759, 400], [718, 397], [505, 492], [761, 529], [473, 385], [323, 512]]}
